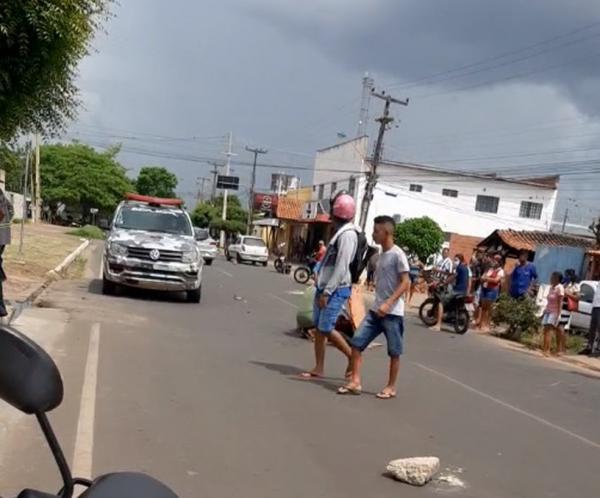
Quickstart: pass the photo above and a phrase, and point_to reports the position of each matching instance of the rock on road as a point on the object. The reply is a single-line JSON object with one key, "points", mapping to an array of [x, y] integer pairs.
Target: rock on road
{"points": [[206, 398]]}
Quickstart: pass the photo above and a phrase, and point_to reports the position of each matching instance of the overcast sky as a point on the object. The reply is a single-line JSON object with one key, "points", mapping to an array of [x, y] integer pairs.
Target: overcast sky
{"points": [[507, 86]]}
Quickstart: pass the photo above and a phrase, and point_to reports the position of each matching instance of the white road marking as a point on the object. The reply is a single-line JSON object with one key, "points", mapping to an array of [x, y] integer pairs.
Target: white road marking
{"points": [[295, 292], [101, 269], [282, 300], [516, 409], [224, 272], [84, 440]]}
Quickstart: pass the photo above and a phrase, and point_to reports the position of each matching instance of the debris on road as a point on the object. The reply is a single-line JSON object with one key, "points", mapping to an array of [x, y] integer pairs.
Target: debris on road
{"points": [[416, 471], [451, 480]]}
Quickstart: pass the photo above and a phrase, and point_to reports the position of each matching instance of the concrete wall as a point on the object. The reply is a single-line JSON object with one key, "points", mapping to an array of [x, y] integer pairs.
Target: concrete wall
{"points": [[17, 202]]}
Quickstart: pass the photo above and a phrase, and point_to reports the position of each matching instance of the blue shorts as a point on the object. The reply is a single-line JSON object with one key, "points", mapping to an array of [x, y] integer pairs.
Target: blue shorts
{"points": [[324, 319], [489, 294], [373, 325]]}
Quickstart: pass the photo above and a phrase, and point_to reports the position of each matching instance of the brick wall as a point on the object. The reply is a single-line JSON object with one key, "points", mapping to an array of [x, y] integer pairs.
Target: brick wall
{"points": [[463, 244]]}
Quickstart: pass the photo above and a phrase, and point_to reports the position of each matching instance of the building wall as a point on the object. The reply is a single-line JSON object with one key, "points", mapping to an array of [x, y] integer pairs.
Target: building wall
{"points": [[458, 214]]}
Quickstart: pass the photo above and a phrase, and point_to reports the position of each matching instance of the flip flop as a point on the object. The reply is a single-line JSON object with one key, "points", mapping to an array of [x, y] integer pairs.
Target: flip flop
{"points": [[349, 390], [310, 375], [384, 395]]}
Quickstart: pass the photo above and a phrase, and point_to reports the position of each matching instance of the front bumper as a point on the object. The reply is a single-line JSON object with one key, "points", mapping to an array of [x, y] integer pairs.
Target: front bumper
{"points": [[153, 276], [208, 253]]}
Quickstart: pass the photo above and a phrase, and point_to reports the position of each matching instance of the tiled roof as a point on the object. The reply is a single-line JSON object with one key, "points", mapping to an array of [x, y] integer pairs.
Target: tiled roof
{"points": [[289, 209], [529, 240]]}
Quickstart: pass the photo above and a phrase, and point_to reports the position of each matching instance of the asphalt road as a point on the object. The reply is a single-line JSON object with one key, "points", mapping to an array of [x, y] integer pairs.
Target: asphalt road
{"points": [[206, 398]]}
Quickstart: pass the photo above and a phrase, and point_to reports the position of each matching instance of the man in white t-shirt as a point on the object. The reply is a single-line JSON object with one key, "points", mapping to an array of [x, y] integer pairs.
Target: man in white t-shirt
{"points": [[386, 316], [445, 265]]}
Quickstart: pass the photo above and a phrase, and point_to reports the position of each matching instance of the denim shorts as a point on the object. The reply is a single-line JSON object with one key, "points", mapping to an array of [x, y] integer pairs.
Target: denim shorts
{"points": [[324, 319], [550, 319], [373, 325], [489, 294]]}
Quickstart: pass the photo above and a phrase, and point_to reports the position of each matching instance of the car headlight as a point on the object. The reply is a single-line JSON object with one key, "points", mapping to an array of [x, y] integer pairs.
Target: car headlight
{"points": [[117, 249], [190, 256]]}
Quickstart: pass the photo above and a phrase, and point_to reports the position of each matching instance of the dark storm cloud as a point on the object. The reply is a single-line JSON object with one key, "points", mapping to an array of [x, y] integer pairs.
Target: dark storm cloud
{"points": [[407, 40]]}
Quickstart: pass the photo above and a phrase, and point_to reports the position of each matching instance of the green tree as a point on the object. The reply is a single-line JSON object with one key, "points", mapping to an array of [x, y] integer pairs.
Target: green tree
{"points": [[12, 161], [422, 236], [41, 42], [82, 178], [156, 181], [208, 214]]}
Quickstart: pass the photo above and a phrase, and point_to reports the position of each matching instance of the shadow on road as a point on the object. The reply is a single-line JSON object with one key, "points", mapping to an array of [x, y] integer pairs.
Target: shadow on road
{"points": [[95, 287], [293, 373]]}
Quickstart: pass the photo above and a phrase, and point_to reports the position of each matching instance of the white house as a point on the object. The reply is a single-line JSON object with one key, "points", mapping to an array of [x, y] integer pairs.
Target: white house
{"points": [[460, 202]]}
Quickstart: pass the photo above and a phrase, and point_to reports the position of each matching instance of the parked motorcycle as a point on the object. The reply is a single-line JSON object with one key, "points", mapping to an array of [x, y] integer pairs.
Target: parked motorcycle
{"points": [[455, 309], [30, 382], [303, 273], [280, 262]]}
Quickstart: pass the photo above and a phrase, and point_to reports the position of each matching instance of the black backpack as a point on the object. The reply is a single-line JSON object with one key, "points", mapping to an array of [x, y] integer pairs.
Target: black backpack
{"points": [[361, 258]]}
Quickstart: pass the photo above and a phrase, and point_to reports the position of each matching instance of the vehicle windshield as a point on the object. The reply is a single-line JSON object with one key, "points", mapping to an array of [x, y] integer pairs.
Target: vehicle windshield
{"points": [[152, 219], [201, 234], [254, 242]]}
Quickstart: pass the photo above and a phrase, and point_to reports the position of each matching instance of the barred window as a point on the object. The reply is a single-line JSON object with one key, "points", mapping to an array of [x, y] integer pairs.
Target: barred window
{"points": [[531, 210], [487, 204], [414, 187], [448, 192]]}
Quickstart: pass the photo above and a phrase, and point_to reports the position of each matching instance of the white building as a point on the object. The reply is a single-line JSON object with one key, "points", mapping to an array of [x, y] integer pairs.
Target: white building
{"points": [[463, 203]]}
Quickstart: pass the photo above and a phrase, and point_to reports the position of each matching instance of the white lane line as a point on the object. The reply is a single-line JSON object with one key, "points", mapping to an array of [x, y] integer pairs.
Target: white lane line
{"points": [[224, 272], [84, 440], [282, 300], [101, 269], [516, 409]]}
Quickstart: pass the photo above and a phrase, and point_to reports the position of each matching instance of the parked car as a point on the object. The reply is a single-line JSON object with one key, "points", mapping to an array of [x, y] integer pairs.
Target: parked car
{"points": [[206, 244], [151, 245], [581, 318], [247, 248]]}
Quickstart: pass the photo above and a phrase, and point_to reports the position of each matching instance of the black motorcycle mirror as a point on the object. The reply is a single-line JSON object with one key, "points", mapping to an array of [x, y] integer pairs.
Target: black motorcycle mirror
{"points": [[30, 381]]}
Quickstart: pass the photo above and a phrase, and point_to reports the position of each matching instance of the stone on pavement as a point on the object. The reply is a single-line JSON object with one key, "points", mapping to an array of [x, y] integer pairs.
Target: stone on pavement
{"points": [[417, 471]]}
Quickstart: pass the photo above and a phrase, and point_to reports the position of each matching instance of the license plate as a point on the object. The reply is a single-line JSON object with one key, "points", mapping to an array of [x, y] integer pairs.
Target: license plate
{"points": [[161, 267]]}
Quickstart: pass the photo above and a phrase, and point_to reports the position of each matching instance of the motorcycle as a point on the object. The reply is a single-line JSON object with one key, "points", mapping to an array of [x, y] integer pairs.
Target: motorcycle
{"points": [[455, 308], [31, 382], [303, 273], [280, 263]]}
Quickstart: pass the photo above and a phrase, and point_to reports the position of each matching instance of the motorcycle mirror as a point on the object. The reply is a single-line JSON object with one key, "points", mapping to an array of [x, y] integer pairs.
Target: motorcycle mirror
{"points": [[29, 378]]}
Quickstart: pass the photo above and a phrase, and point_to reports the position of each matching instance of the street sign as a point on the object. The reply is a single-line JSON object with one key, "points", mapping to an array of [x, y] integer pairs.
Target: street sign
{"points": [[228, 182]]}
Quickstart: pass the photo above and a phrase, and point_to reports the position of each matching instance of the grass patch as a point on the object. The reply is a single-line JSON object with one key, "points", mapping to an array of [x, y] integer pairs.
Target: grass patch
{"points": [[575, 343], [88, 232], [77, 268]]}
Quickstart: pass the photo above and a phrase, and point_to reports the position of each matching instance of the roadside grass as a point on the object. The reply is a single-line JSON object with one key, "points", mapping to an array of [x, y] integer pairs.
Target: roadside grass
{"points": [[77, 268], [88, 232], [575, 343]]}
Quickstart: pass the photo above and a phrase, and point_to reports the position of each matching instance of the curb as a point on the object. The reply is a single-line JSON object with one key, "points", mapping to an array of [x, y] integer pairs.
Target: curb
{"points": [[54, 274]]}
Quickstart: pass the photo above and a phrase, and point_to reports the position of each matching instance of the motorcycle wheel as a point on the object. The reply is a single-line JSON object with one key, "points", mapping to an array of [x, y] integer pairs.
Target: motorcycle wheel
{"points": [[428, 311], [278, 265], [302, 275], [461, 321]]}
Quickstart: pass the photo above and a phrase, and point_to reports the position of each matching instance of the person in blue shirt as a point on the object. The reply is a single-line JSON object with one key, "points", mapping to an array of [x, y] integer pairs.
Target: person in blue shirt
{"points": [[523, 276], [461, 286]]}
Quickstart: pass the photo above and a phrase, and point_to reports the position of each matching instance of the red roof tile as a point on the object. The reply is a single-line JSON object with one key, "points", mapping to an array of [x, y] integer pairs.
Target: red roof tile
{"points": [[289, 209], [529, 240]]}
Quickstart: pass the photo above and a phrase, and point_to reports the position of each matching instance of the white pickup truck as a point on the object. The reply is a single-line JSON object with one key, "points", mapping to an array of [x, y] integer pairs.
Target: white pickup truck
{"points": [[582, 317]]}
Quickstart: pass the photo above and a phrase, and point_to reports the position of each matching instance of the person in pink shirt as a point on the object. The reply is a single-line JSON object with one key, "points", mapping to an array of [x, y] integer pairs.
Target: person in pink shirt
{"points": [[551, 317]]}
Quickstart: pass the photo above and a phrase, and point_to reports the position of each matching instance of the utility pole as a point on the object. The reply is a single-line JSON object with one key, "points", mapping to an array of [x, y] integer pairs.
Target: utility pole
{"points": [[37, 201], [215, 172], [24, 213], [365, 102], [200, 194], [227, 168], [256, 151], [383, 121]]}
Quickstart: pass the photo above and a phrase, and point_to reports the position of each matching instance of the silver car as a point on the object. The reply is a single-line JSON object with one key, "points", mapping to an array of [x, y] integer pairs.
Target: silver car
{"points": [[206, 245], [152, 246]]}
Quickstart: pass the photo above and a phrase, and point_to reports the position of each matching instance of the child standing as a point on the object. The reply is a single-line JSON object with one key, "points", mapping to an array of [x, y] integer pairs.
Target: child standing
{"points": [[551, 317]]}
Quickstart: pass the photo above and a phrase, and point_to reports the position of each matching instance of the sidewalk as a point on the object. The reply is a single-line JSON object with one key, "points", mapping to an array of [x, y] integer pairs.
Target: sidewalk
{"points": [[44, 248]]}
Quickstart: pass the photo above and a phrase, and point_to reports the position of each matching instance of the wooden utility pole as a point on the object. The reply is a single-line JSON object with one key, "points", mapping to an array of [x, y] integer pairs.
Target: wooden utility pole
{"points": [[256, 151], [383, 121], [200, 195], [214, 172], [24, 211], [37, 187]]}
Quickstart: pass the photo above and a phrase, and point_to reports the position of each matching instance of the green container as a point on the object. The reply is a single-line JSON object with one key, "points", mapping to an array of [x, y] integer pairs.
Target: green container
{"points": [[304, 316]]}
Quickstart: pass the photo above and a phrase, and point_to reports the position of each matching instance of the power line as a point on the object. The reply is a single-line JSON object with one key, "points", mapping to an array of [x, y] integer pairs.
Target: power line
{"points": [[487, 60]]}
